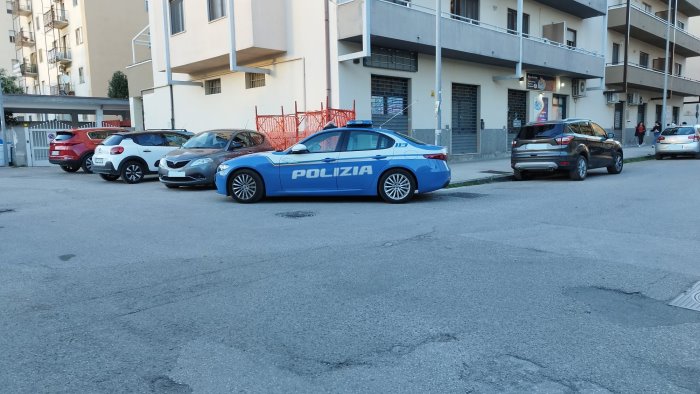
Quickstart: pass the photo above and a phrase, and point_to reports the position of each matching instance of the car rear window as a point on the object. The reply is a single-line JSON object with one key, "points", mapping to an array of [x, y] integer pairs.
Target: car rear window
{"points": [[409, 138], [63, 136], [679, 131], [113, 140], [548, 130]]}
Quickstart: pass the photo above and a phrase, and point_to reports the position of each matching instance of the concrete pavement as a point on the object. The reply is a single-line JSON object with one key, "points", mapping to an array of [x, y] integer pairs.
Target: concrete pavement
{"points": [[485, 170]]}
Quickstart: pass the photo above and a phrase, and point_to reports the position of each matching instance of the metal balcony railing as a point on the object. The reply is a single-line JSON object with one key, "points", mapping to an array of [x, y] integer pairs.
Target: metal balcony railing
{"points": [[28, 69], [24, 38], [64, 89], [55, 18], [20, 7], [59, 55]]}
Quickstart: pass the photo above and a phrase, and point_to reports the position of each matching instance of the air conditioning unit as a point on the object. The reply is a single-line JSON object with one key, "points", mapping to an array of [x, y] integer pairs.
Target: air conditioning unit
{"points": [[578, 88], [634, 99], [612, 98]]}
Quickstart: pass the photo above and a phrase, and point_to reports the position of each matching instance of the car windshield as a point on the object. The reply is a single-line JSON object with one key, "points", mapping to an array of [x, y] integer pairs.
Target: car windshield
{"points": [[63, 136], [679, 131], [546, 130], [112, 140], [208, 140]]}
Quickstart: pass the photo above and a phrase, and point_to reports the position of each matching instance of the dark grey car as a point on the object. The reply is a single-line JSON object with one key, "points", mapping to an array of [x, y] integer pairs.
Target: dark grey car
{"points": [[195, 163], [570, 145]]}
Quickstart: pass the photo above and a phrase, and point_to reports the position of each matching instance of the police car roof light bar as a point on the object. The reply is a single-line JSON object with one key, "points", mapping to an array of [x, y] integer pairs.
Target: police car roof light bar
{"points": [[359, 123]]}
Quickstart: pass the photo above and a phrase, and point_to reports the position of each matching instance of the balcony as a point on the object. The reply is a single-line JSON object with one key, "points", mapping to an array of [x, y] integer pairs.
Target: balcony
{"points": [[639, 77], [24, 39], [59, 55], [29, 69], [689, 7], [651, 29], [55, 18], [463, 39], [582, 9], [63, 89], [22, 7], [260, 29]]}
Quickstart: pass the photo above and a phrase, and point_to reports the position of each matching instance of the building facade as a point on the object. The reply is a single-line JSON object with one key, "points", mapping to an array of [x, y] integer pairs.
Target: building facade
{"points": [[379, 56], [72, 47]]}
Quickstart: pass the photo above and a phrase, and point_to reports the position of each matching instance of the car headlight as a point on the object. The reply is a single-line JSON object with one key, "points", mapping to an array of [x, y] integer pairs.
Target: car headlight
{"points": [[162, 163], [223, 167], [201, 162]]}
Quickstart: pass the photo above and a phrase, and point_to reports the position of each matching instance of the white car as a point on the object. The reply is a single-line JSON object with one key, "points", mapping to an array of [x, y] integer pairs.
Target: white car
{"points": [[678, 141], [134, 155]]}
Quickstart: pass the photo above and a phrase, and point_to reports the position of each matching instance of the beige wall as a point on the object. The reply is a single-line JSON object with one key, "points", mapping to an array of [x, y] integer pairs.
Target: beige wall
{"points": [[7, 49]]}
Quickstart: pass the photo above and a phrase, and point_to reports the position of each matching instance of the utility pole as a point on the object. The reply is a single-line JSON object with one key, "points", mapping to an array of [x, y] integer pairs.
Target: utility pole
{"points": [[666, 67], [5, 147], [438, 72]]}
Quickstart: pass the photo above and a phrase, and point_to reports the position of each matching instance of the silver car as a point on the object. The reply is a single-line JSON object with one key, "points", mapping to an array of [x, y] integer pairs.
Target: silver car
{"points": [[679, 140]]}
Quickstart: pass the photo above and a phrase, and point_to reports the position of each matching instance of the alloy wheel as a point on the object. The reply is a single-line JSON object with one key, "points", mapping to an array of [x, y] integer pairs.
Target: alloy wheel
{"points": [[244, 187], [134, 173], [397, 186]]}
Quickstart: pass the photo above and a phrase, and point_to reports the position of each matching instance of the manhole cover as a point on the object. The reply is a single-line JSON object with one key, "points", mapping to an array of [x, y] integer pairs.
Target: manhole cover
{"points": [[6, 210], [690, 299], [463, 195], [296, 214], [497, 172]]}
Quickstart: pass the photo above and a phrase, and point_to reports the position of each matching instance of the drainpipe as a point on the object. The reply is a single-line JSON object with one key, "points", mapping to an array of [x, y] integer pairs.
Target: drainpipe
{"points": [[328, 55], [366, 44], [168, 69], [438, 71], [519, 66], [233, 61]]}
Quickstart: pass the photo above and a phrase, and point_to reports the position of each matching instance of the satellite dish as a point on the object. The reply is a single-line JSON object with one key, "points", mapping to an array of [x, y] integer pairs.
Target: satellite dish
{"points": [[65, 79]]}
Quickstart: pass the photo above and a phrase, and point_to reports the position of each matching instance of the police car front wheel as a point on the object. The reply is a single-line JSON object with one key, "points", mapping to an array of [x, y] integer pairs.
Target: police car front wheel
{"points": [[246, 186], [397, 186]]}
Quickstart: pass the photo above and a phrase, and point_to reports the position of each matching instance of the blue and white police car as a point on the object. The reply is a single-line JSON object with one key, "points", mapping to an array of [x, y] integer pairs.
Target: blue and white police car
{"points": [[356, 160]]}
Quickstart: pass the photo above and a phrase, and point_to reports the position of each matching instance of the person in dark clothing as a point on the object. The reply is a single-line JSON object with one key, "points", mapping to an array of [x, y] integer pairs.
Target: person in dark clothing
{"points": [[639, 133], [657, 132]]}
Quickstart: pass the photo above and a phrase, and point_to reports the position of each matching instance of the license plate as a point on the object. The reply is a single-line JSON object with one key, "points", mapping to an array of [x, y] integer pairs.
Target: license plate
{"points": [[54, 153], [176, 174], [537, 146], [98, 160]]}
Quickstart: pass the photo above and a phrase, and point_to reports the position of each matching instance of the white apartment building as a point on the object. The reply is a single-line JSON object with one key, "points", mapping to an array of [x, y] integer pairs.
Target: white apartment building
{"points": [[380, 55], [7, 44], [72, 47]]}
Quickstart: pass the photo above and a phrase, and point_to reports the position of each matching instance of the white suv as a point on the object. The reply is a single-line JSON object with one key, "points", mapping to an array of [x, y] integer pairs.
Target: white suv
{"points": [[134, 155]]}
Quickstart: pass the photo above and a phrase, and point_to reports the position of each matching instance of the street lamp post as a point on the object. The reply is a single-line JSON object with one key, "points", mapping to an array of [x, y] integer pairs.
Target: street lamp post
{"points": [[5, 147], [667, 65], [438, 72]]}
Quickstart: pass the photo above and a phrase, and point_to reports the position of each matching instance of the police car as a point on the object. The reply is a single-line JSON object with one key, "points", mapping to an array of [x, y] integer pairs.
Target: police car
{"points": [[356, 160]]}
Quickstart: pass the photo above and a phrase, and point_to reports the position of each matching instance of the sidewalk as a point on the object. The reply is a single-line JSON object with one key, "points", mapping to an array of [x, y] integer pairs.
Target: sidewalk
{"points": [[474, 171]]}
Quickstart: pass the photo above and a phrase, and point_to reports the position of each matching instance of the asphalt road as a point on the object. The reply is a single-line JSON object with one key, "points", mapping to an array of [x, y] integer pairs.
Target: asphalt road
{"points": [[546, 286]]}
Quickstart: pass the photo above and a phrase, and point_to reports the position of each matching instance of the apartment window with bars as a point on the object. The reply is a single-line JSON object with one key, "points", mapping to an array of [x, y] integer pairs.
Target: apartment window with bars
{"points": [[78, 36], [177, 17], [212, 86], [513, 22], [644, 59], [217, 9], [254, 80], [81, 75], [571, 38], [392, 59], [12, 36]]}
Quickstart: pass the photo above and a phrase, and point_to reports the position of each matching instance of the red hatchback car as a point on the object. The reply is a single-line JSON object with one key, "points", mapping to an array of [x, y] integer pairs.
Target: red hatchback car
{"points": [[73, 149]]}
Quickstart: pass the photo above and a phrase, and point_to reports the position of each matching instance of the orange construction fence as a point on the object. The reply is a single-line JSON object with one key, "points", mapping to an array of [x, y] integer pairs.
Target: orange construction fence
{"points": [[285, 130]]}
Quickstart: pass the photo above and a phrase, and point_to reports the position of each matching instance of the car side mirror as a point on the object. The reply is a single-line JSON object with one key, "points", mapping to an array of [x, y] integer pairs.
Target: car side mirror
{"points": [[611, 135], [299, 148], [235, 145]]}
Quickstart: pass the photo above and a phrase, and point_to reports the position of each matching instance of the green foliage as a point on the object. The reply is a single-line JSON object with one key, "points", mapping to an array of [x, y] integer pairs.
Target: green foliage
{"points": [[118, 86], [9, 83]]}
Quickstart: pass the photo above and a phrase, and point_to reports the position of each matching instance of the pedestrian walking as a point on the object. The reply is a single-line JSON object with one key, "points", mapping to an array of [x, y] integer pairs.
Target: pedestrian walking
{"points": [[639, 133], [657, 132]]}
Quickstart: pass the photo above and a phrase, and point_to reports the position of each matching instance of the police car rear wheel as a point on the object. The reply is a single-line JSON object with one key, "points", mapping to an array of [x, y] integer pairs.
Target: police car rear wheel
{"points": [[246, 187], [397, 186]]}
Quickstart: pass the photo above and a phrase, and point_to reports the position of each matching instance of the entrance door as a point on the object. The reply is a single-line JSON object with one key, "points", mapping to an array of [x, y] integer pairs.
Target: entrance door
{"points": [[641, 114], [390, 103], [517, 112], [465, 118], [559, 107]]}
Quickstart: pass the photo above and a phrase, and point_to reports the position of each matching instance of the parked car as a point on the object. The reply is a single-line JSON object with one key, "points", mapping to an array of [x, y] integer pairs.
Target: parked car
{"points": [[571, 145], [196, 162], [73, 149], [134, 155], [357, 160], [678, 141]]}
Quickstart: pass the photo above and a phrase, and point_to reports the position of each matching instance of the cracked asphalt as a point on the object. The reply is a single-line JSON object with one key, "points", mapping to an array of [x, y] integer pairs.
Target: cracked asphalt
{"points": [[547, 286]]}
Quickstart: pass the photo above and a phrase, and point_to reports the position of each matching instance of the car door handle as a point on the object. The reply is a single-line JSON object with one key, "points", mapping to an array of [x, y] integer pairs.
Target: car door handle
{"points": [[328, 159], [250, 151], [379, 157], [147, 151]]}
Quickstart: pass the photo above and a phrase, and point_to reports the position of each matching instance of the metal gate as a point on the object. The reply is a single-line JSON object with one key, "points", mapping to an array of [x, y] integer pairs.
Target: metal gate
{"points": [[39, 137], [390, 103], [464, 118], [517, 113]]}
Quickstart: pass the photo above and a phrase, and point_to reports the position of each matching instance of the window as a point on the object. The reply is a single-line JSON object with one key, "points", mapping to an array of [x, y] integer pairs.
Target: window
{"points": [[615, 53], [571, 38], [216, 9], [177, 17], [468, 9], [212, 86], [585, 128], [679, 69], [243, 139], [78, 36], [12, 36], [75, 3], [367, 140], [254, 80], [513, 22], [256, 138], [680, 25], [676, 111], [172, 139], [599, 131], [37, 21], [325, 142], [647, 8], [41, 55], [81, 75], [644, 59], [392, 59]]}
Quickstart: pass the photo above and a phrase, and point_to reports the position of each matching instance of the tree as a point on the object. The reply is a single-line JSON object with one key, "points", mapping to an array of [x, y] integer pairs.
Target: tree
{"points": [[118, 86], [9, 83]]}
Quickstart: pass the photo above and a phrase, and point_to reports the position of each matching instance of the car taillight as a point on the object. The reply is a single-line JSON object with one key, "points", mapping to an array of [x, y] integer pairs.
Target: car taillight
{"points": [[117, 150], [565, 140], [695, 138], [661, 138], [514, 143], [436, 156]]}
